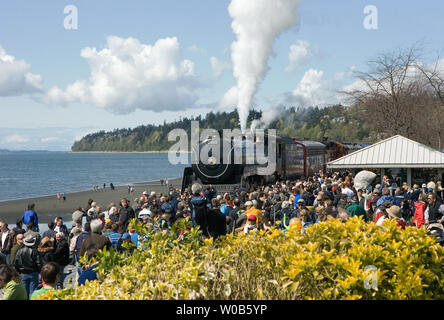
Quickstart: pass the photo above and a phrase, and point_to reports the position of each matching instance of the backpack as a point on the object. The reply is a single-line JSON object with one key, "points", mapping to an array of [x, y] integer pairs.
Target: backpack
{"points": [[31, 219], [225, 210], [200, 214]]}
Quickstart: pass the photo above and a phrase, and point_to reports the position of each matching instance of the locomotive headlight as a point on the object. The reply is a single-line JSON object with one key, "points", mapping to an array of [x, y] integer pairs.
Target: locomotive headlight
{"points": [[212, 161]]}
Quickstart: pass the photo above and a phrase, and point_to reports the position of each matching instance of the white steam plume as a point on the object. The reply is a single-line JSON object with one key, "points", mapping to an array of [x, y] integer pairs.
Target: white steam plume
{"points": [[267, 118], [256, 24]]}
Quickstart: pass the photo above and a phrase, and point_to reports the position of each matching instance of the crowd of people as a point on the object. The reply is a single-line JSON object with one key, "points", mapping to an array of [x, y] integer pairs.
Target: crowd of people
{"points": [[33, 263]]}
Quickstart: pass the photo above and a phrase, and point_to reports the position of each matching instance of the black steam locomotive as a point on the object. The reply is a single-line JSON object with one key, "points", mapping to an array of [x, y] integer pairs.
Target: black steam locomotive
{"points": [[294, 159]]}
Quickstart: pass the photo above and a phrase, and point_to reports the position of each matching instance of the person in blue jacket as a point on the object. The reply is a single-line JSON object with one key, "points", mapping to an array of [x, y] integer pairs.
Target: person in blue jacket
{"points": [[385, 196], [89, 272], [197, 201], [297, 196], [31, 215]]}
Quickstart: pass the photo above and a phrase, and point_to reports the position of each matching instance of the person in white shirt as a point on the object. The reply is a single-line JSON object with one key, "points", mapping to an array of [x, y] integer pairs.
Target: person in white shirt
{"points": [[145, 212], [346, 190], [251, 224], [6, 241], [381, 220]]}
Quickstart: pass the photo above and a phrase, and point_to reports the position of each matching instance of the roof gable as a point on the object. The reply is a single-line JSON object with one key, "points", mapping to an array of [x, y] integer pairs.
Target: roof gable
{"points": [[394, 152]]}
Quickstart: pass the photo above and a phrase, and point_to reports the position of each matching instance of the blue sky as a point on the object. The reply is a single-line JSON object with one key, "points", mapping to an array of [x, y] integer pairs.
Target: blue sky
{"points": [[333, 32]]}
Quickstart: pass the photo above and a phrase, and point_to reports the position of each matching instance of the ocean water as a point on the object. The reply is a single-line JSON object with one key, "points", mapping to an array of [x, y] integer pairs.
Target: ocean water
{"points": [[34, 174]]}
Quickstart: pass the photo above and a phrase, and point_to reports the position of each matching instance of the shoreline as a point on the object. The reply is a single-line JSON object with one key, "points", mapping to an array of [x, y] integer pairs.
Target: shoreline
{"points": [[48, 207], [126, 152], [133, 184]]}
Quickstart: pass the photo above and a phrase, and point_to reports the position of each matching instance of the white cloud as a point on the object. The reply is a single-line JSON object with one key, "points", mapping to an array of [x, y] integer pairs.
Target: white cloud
{"points": [[307, 92], [315, 90], [300, 54], [15, 138], [383, 86], [339, 75], [49, 139], [127, 75], [196, 49], [358, 85], [351, 70], [230, 99], [219, 66], [15, 78], [83, 134]]}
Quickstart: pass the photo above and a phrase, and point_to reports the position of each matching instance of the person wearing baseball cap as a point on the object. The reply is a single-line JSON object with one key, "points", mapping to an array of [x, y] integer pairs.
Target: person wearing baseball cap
{"points": [[165, 221], [126, 239], [166, 208], [302, 206], [251, 224], [250, 209]]}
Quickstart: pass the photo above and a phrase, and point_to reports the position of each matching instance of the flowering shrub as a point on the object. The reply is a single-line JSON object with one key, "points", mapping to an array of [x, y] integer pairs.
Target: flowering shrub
{"points": [[325, 261]]}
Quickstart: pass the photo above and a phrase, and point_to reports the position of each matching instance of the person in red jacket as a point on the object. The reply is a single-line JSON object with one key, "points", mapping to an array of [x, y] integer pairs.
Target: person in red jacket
{"points": [[420, 207]]}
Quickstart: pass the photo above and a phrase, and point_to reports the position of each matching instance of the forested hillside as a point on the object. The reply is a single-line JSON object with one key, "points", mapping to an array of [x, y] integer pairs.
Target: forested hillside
{"points": [[340, 123]]}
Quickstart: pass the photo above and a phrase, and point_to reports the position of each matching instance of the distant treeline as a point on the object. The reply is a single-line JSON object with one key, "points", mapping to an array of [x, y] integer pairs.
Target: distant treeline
{"points": [[339, 123]]}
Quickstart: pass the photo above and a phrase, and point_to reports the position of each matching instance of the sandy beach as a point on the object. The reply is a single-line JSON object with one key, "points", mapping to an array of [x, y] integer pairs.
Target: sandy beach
{"points": [[49, 207]]}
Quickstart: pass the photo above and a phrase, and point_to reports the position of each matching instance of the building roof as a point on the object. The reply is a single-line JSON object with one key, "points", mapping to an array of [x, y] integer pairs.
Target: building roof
{"points": [[394, 152]]}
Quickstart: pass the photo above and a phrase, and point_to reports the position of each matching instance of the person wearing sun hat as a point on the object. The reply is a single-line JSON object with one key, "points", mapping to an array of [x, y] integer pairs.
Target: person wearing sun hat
{"points": [[382, 211], [28, 263], [394, 212]]}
